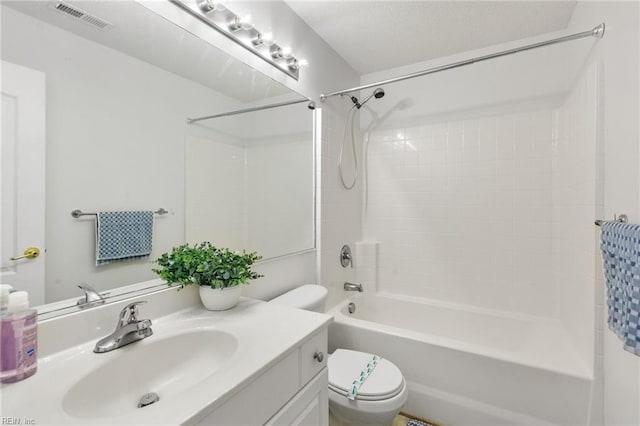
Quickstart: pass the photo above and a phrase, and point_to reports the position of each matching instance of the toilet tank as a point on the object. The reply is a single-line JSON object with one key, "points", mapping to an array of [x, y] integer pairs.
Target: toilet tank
{"points": [[311, 297]]}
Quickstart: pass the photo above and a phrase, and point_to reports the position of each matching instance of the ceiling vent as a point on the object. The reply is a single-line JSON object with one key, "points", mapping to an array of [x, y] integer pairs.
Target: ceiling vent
{"points": [[81, 15]]}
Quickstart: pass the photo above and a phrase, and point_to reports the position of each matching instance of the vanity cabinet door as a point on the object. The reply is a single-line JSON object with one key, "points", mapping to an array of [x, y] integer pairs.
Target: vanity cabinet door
{"points": [[309, 407], [257, 402]]}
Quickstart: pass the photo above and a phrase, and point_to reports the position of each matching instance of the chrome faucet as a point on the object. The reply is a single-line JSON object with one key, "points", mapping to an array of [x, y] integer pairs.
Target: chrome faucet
{"points": [[91, 297], [128, 330], [353, 287]]}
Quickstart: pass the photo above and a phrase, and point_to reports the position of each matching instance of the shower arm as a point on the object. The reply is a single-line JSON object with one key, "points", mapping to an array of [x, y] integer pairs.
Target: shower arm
{"points": [[597, 32]]}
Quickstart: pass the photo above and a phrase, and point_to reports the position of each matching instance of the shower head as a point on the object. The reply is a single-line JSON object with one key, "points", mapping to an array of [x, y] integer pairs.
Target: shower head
{"points": [[311, 105], [378, 93]]}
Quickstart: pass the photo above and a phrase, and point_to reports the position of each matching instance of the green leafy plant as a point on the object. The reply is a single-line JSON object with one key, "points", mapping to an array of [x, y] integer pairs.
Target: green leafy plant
{"points": [[206, 265]]}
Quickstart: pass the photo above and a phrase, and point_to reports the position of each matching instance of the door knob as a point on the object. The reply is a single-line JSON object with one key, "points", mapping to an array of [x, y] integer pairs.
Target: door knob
{"points": [[29, 253]]}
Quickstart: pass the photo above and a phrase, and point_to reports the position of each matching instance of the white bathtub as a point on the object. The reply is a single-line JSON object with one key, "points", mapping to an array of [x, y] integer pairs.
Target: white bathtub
{"points": [[467, 366]]}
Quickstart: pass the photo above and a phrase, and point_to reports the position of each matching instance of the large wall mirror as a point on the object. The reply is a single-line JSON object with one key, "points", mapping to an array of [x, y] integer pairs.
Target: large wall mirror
{"points": [[118, 85]]}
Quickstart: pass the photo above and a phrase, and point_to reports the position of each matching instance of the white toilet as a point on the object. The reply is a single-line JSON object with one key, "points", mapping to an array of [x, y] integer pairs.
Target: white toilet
{"points": [[383, 393]]}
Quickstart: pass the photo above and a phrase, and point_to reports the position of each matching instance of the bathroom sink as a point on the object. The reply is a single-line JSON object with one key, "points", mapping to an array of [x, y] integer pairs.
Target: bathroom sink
{"points": [[195, 361], [166, 366]]}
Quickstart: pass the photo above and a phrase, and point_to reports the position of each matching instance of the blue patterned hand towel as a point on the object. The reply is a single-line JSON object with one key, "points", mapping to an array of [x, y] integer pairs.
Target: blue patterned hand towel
{"points": [[620, 247], [123, 236]]}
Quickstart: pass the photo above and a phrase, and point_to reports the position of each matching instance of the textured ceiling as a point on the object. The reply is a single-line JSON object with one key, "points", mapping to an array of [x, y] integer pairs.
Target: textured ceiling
{"points": [[377, 35]]}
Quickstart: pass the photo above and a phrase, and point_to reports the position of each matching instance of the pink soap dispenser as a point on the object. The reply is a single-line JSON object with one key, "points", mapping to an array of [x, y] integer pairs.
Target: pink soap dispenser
{"points": [[19, 339]]}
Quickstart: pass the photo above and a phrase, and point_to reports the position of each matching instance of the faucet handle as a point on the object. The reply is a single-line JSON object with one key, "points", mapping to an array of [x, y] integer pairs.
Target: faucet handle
{"points": [[129, 313], [345, 256]]}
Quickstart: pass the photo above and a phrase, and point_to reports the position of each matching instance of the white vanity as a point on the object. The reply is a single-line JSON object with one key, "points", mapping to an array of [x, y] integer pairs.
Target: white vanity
{"points": [[257, 363]]}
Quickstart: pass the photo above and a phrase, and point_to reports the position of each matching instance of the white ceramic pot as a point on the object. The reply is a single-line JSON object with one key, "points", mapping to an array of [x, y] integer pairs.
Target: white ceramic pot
{"points": [[220, 299]]}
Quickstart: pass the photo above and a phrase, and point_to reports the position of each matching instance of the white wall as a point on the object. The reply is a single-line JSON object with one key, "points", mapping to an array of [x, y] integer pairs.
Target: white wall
{"points": [[541, 74], [215, 191], [573, 210], [618, 53]]}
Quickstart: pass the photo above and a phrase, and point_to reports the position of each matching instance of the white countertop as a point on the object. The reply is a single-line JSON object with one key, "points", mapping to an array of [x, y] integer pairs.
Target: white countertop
{"points": [[265, 333]]}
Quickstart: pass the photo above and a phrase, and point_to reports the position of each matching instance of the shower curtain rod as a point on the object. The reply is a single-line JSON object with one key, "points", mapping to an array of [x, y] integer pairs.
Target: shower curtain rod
{"points": [[241, 111], [597, 31]]}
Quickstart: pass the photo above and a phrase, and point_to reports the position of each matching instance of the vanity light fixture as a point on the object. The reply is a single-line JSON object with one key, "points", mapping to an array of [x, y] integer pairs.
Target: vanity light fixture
{"points": [[240, 23], [240, 29]]}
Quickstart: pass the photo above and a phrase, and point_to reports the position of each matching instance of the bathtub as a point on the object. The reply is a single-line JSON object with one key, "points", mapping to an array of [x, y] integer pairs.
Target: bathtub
{"points": [[467, 366]]}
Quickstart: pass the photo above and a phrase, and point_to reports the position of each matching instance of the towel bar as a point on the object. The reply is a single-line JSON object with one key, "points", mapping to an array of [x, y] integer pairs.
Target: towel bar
{"points": [[77, 213], [621, 218]]}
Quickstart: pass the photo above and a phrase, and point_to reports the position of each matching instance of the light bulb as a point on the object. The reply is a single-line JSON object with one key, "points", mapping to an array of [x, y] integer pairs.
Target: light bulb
{"points": [[286, 52], [240, 23], [210, 5], [265, 39]]}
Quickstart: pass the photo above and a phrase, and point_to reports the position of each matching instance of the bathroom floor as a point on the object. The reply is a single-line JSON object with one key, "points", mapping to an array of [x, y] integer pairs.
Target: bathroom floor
{"points": [[402, 419]]}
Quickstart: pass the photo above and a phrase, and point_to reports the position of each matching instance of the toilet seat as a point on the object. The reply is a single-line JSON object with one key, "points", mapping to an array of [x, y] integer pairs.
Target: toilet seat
{"points": [[385, 382]]}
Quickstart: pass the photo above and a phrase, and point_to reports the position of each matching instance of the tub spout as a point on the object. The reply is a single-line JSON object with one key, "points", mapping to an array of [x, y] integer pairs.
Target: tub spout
{"points": [[353, 287]]}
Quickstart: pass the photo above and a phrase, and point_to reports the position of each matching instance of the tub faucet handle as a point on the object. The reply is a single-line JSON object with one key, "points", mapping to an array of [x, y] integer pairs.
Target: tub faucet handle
{"points": [[345, 256]]}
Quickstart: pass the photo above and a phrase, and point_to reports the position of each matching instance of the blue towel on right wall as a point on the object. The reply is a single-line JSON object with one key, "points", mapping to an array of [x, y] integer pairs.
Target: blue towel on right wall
{"points": [[620, 247]]}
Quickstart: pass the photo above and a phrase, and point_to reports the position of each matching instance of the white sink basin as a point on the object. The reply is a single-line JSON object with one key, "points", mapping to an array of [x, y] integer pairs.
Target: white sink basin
{"points": [[165, 365], [195, 360]]}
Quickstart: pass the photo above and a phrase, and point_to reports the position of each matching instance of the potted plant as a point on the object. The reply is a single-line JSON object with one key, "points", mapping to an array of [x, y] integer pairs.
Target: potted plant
{"points": [[219, 273]]}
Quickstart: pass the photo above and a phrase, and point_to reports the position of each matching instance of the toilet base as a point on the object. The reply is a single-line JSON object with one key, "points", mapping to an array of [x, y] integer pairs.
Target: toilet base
{"points": [[369, 413], [337, 420]]}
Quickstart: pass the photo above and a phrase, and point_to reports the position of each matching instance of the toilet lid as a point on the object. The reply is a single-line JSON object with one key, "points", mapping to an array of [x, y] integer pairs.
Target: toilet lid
{"points": [[384, 382]]}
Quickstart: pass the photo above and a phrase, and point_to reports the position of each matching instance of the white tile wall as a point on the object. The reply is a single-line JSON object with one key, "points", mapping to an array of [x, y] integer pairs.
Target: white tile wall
{"points": [[574, 209], [340, 213], [278, 199], [463, 210], [496, 212], [365, 255], [266, 193]]}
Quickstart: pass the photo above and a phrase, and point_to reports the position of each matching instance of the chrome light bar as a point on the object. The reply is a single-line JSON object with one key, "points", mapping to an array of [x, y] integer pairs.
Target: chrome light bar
{"points": [[240, 30]]}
